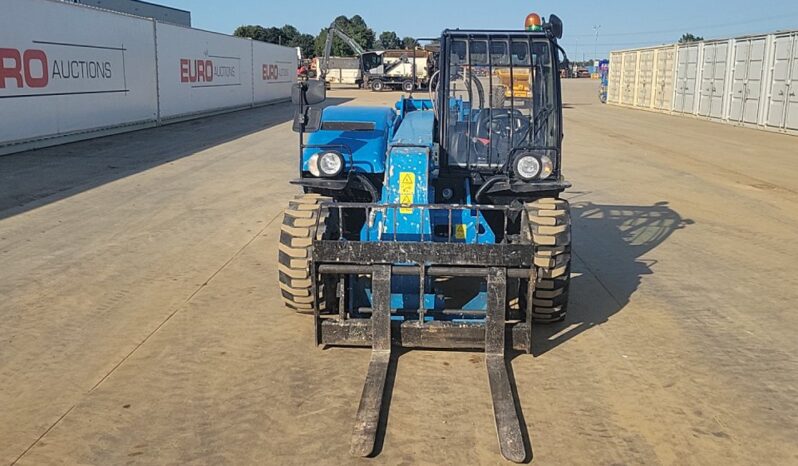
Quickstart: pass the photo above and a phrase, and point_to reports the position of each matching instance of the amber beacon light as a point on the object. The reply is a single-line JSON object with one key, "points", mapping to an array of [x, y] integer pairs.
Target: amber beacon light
{"points": [[533, 22]]}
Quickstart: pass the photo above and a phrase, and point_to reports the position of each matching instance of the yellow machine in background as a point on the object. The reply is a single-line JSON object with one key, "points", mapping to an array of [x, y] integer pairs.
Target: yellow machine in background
{"points": [[521, 85]]}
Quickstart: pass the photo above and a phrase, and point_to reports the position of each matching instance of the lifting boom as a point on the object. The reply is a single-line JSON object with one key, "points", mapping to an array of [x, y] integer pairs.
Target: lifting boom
{"points": [[333, 31]]}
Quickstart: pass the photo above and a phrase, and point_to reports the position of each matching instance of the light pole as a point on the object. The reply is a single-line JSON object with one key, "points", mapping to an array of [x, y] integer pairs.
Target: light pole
{"points": [[595, 46]]}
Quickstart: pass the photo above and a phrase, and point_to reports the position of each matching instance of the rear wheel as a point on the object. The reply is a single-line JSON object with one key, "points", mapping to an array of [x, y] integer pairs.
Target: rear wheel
{"points": [[377, 85], [408, 86], [550, 229], [296, 240]]}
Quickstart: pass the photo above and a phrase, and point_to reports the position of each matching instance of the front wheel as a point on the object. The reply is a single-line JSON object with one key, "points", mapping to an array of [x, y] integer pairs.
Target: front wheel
{"points": [[549, 222], [377, 85], [408, 86], [300, 220]]}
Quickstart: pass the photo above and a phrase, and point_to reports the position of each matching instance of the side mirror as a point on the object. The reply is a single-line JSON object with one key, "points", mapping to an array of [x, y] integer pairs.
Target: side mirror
{"points": [[310, 92], [555, 25]]}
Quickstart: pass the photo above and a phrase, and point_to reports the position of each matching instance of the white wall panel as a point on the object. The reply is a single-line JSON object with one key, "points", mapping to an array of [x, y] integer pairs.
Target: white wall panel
{"points": [[275, 71], [714, 70], [66, 69], [70, 72], [614, 80], [751, 81], [747, 79], [645, 79], [200, 71], [782, 110], [686, 78], [629, 78], [665, 74]]}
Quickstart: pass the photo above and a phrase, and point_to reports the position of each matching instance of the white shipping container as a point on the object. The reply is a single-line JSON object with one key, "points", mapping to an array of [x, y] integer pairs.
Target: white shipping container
{"points": [[751, 81], [747, 79], [614, 79], [629, 78], [275, 72], [645, 79], [686, 78], [664, 75], [200, 71], [714, 72], [782, 111], [68, 70]]}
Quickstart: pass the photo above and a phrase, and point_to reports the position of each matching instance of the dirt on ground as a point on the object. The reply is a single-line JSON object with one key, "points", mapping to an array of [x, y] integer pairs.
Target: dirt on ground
{"points": [[141, 322]]}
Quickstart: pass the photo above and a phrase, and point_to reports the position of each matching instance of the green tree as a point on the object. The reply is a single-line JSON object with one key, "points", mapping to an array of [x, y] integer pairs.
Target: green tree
{"points": [[306, 43], [409, 43], [389, 40], [687, 37], [354, 27], [251, 31], [289, 32], [282, 36]]}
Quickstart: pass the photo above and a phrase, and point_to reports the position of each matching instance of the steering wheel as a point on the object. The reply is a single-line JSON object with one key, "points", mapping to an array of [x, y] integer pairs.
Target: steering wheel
{"points": [[504, 122]]}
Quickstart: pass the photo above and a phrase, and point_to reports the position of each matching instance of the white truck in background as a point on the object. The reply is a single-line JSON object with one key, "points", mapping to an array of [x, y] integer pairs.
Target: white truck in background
{"points": [[377, 70]]}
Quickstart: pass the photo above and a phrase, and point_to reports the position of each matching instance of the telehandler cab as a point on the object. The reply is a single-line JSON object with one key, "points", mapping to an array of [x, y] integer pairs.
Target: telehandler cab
{"points": [[437, 223]]}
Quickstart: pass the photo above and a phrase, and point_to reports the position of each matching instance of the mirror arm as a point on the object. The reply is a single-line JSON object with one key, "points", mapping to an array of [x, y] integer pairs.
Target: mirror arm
{"points": [[564, 55], [303, 91]]}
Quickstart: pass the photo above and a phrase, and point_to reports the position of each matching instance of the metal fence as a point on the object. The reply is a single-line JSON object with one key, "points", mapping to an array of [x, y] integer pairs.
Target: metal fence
{"points": [[748, 81]]}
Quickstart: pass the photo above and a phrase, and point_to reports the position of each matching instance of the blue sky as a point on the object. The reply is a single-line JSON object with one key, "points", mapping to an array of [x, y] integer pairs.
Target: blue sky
{"points": [[624, 24]]}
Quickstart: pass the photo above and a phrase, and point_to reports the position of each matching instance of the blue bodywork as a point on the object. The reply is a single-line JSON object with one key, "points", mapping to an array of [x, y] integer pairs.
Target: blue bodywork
{"points": [[398, 144], [362, 150]]}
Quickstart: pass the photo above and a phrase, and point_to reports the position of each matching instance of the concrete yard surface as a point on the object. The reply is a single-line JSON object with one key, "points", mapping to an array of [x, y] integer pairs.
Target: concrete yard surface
{"points": [[141, 322]]}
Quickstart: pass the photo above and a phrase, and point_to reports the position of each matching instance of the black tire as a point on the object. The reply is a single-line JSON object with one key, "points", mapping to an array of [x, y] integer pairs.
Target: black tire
{"points": [[549, 222], [602, 95], [408, 86], [377, 85], [499, 97], [296, 240]]}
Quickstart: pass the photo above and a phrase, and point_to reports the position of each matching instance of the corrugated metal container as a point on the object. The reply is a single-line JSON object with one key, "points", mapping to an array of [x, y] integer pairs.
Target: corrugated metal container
{"points": [[749, 81], [686, 78], [714, 73], [645, 78], [629, 78], [664, 73], [614, 79], [782, 102]]}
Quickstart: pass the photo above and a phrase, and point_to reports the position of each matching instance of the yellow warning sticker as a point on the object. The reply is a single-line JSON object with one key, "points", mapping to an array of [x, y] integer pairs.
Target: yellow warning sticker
{"points": [[407, 190], [460, 231]]}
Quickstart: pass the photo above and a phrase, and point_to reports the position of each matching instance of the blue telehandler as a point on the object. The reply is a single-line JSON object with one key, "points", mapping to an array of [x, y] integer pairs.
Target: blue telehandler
{"points": [[437, 223]]}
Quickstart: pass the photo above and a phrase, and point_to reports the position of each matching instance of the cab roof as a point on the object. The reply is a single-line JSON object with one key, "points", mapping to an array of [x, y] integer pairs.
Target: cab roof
{"points": [[492, 32]]}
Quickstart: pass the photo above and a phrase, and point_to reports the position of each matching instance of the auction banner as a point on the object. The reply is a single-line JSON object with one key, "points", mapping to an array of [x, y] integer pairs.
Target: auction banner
{"points": [[66, 68], [200, 71], [275, 71]]}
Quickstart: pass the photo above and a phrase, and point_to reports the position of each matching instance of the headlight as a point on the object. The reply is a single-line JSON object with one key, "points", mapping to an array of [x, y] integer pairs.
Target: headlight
{"points": [[313, 165], [527, 167], [533, 166], [330, 164]]}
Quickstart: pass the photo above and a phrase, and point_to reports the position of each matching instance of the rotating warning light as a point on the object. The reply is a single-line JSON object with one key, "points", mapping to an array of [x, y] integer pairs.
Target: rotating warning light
{"points": [[533, 22]]}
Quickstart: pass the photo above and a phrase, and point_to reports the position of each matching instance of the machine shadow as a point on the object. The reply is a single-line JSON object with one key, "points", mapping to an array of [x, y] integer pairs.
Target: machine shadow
{"points": [[616, 237], [38, 177]]}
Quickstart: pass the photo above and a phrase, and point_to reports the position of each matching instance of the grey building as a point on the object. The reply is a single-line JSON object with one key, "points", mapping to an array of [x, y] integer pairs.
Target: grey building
{"points": [[160, 13]]}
